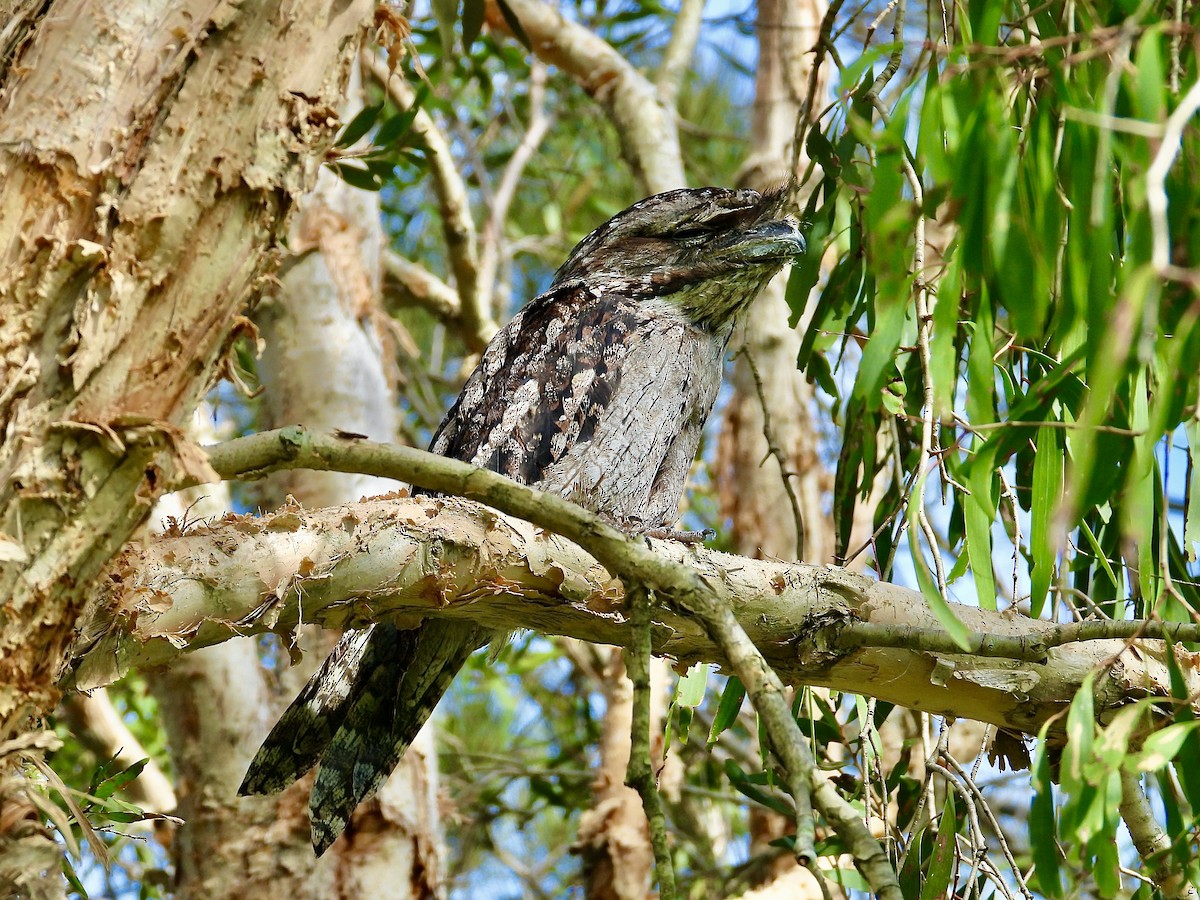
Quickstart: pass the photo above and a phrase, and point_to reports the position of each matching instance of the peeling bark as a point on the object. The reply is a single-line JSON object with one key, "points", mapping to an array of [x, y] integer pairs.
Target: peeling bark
{"points": [[406, 558], [148, 156]]}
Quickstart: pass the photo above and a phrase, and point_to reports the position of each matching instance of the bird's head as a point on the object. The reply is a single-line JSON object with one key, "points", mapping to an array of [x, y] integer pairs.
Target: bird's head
{"points": [[704, 251]]}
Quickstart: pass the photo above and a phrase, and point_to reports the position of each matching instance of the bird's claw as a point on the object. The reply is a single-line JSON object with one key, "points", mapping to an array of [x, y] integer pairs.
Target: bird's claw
{"points": [[683, 536]]}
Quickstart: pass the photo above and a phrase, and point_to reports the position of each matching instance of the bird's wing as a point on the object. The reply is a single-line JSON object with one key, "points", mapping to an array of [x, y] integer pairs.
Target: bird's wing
{"points": [[307, 726], [589, 395], [414, 669]]}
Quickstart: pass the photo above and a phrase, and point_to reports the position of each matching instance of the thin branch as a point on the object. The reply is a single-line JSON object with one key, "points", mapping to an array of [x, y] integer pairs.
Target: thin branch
{"points": [[773, 449], [894, 58], [639, 774], [1156, 176], [422, 288], [677, 55], [510, 179], [824, 44], [1029, 647], [969, 781], [647, 131], [1176, 43], [477, 326]]}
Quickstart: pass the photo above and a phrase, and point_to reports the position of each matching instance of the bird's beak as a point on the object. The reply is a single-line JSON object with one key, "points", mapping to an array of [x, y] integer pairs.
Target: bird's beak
{"points": [[777, 240]]}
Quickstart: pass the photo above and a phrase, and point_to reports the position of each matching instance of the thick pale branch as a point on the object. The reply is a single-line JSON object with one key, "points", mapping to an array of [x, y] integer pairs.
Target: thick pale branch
{"points": [[646, 129], [405, 558], [677, 55]]}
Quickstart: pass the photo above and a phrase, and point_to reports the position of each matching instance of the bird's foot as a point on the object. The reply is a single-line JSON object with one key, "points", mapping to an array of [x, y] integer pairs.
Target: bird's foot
{"points": [[678, 534]]}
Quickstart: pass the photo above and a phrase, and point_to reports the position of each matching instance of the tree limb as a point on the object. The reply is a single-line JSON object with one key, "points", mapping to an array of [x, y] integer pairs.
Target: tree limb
{"points": [[422, 288], [475, 318], [510, 179], [407, 558], [646, 130], [677, 55]]}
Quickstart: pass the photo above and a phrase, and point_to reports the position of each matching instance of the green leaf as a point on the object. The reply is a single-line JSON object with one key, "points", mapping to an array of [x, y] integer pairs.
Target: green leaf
{"points": [[892, 397], [745, 785], [1149, 77], [514, 25], [1081, 727], [444, 13], [1043, 830], [1189, 775], [941, 863], [1163, 746], [359, 126], [68, 870], [107, 787], [821, 150], [689, 692], [1044, 505], [910, 876], [1112, 743], [472, 22], [728, 709], [958, 632], [1101, 556], [357, 176], [979, 512], [1191, 521], [400, 123]]}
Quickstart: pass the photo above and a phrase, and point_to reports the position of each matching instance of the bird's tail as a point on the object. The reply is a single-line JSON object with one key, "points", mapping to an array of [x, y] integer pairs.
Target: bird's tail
{"points": [[358, 715]]}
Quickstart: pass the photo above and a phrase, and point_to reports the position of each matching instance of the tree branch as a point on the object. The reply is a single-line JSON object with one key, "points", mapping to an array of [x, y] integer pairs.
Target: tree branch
{"points": [[510, 179], [422, 288], [677, 55], [476, 325], [646, 130], [405, 558]]}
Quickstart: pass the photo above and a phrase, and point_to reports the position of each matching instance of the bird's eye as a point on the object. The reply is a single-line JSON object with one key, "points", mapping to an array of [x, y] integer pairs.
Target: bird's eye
{"points": [[690, 234]]}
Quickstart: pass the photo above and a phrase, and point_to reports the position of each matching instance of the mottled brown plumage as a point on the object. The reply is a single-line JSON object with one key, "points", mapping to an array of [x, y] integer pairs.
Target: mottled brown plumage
{"points": [[597, 390]]}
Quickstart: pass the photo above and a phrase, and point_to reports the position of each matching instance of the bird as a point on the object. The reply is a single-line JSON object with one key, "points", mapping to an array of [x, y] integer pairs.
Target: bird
{"points": [[597, 390]]}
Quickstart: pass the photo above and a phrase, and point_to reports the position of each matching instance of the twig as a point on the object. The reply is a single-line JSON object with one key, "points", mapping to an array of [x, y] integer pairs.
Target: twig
{"points": [[476, 325], [1156, 176], [894, 58], [824, 43], [510, 179], [773, 449], [969, 782], [1029, 647], [976, 840], [883, 13], [677, 55], [639, 774], [1176, 42], [1007, 491]]}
